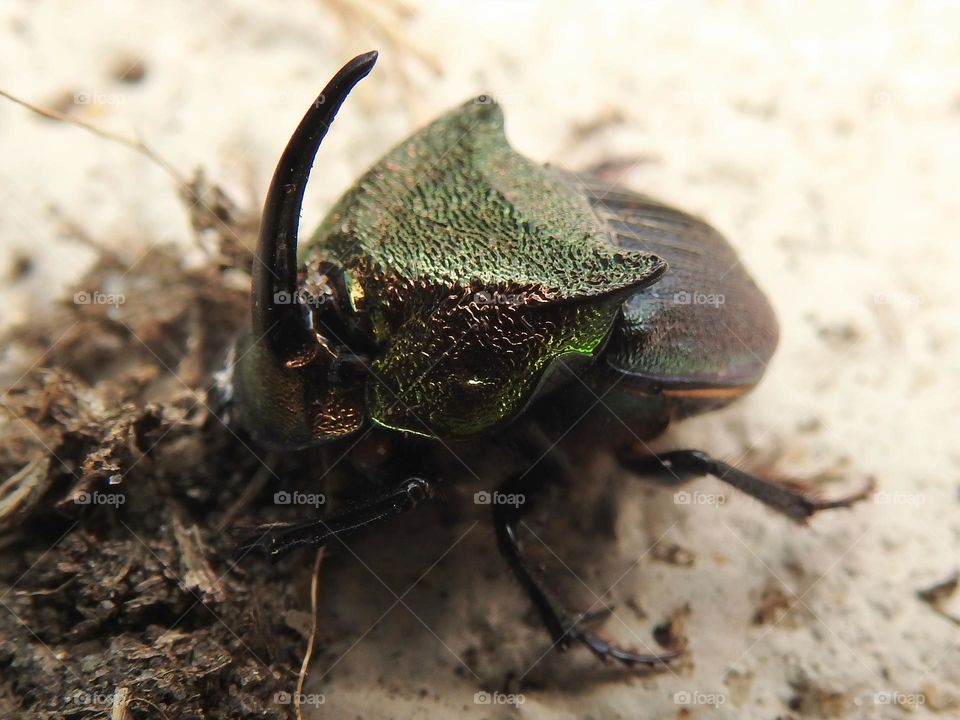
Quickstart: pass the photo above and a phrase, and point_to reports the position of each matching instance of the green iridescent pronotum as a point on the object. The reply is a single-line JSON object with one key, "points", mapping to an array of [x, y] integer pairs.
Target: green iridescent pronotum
{"points": [[461, 291]]}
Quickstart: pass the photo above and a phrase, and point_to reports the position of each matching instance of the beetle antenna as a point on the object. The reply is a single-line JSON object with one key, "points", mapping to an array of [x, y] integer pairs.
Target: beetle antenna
{"points": [[278, 317]]}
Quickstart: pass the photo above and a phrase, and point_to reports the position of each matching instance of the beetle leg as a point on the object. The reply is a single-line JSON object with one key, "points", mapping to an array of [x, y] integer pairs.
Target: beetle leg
{"points": [[278, 538], [562, 627], [791, 499]]}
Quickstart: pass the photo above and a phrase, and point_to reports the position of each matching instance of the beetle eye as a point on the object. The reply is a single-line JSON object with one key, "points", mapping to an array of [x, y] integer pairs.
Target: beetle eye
{"points": [[323, 290]]}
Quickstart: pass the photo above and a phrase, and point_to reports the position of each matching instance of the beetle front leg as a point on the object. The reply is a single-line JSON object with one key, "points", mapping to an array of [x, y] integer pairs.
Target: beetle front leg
{"points": [[793, 500], [276, 539], [563, 628]]}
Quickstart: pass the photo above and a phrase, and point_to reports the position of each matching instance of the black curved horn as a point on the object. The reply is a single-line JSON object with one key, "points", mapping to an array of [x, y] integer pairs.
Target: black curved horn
{"points": [[278, 318]]}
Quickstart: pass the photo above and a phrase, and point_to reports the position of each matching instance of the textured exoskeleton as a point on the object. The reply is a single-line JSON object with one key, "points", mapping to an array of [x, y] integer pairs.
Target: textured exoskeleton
{"points": [[459, 288]]}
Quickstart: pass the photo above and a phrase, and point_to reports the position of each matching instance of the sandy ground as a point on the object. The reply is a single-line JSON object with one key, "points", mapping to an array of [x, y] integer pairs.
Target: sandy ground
{"points": [[821, 138]]}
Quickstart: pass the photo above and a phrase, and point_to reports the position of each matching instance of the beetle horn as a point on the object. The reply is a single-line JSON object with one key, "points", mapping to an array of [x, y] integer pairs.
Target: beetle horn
{"points": [[278, 318]]}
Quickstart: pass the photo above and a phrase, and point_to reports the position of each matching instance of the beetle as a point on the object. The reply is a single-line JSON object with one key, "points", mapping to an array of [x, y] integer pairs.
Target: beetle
{"points": [[461, 291]]}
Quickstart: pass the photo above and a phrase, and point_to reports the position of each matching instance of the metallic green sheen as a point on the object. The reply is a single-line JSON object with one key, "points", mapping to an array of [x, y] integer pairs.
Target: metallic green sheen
{"points": [[474, 270], [291, 407]]}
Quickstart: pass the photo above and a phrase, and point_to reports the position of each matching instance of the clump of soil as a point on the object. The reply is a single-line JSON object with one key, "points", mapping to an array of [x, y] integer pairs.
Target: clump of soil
{"points": [[118, 485]]}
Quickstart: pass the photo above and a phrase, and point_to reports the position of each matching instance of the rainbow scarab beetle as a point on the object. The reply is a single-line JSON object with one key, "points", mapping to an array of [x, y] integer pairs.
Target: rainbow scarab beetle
{"points": [[459, 290]]}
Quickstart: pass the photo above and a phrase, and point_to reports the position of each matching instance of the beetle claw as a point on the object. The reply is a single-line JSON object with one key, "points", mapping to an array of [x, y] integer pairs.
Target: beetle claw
{"points": [[606, 651], [815, 504]]}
